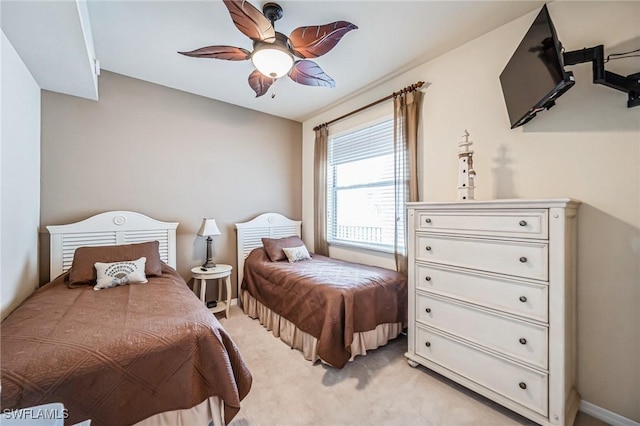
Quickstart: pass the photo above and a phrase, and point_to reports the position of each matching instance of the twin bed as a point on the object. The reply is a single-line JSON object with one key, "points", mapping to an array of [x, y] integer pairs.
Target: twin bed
{"points": [[329, 309], [148, 353], [151, 353]]}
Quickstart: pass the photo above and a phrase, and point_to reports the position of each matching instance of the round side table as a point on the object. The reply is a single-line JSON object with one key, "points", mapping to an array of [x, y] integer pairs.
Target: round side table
{"points": [[218, 272]]}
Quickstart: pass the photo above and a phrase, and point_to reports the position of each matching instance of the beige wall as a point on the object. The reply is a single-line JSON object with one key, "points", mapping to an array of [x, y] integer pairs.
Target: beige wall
{"points": [[586, 147], [20, 170], [170, 155]]}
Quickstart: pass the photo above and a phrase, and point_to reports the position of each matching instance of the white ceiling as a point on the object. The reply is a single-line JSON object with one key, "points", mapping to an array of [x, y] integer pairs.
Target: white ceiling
{"points": [[140, 39]]}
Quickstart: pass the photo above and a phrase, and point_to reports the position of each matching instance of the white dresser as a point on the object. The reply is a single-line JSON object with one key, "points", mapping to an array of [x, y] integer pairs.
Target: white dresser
{"points": [[492, 300]]}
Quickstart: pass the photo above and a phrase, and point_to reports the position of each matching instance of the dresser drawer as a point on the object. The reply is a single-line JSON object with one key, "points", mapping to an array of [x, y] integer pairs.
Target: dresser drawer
{"points": [[522, 340], [497, 374], [498, 292], [501, 223], [517, 258]]}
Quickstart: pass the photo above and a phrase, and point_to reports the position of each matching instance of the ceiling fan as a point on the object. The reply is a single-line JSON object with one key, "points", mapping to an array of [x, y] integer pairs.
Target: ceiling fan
{"points": [[273, 52]]}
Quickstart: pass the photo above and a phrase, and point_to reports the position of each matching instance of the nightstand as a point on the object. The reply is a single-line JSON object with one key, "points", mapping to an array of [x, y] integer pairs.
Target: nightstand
{"points": [[218, 272]]}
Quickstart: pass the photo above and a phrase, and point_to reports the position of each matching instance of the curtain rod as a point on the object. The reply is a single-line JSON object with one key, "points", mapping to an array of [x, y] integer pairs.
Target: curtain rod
{"points": [[407, 89]]}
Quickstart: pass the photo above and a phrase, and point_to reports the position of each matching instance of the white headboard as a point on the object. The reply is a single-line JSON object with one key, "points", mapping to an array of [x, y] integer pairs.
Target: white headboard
{"points": [[268, 225], [108, 229]]}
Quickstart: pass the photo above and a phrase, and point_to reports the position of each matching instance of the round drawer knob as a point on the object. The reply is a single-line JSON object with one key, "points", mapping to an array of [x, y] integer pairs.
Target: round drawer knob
{"points": [[523, 299], [523, 341], [428, 310], [523, 259], [427, 220], [427, 278], [428, 248], [523, 223], [522, 385], [427, 344]]}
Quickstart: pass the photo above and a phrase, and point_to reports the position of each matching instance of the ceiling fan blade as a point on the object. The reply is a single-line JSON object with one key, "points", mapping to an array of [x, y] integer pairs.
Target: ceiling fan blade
{"points": [[260, 83], [316, 40], [250, 21], [229, 53], [310, 74]]}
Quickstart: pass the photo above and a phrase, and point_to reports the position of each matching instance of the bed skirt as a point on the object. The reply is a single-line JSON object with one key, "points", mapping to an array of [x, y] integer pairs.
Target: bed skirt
{"points": [[209, 410], [306, 343]]}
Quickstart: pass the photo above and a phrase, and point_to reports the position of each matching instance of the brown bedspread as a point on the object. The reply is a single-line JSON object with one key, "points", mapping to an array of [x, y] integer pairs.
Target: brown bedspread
{"points": [[119, 355], [328, 298]]}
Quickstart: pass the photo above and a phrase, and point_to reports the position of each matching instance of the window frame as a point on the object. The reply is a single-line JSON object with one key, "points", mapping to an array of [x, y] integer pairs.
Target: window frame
{"points": [[332, 192]]}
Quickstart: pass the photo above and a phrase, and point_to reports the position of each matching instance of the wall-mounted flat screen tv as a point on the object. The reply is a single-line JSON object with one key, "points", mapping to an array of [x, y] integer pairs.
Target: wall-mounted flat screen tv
{"points": [[535, 76]]}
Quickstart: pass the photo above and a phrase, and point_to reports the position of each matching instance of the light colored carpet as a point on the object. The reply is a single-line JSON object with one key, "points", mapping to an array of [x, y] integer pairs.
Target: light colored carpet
{"points": [[377, 389]]}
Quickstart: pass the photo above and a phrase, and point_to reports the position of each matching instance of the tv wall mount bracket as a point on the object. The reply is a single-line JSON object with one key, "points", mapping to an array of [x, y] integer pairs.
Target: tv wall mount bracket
{"points": [[629, 84]]}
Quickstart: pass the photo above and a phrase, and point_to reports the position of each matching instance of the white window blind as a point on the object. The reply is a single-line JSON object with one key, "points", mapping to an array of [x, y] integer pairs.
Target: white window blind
{"points": [[360, 187]]}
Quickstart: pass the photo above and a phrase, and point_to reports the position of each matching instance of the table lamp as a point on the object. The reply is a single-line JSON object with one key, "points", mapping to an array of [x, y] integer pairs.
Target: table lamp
{"points": [[207, 229]]}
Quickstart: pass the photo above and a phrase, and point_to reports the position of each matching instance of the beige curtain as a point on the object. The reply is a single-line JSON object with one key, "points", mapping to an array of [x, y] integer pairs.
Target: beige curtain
{"points": [[320, 191], [406, 117]]}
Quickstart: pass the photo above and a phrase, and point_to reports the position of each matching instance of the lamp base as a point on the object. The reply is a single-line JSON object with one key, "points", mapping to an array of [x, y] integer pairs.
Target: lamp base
{"points": [[209, 264]]}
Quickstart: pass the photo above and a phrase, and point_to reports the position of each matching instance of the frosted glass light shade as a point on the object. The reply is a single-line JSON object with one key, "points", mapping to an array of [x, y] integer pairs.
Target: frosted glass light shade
{"points": [[272, 61], [208, 228]]}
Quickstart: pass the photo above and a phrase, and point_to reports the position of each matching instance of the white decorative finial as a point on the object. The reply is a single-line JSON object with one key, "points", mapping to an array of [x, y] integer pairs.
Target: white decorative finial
{"points": [[466, 174], [465, 139]]}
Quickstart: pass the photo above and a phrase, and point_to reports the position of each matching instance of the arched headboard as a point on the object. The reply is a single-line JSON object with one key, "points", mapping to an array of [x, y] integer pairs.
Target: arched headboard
{"points": [[107, 229], [267, 225]]}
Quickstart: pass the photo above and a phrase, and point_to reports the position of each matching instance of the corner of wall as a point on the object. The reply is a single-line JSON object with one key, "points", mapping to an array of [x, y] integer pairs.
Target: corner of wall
{"points": [[20, 171]]}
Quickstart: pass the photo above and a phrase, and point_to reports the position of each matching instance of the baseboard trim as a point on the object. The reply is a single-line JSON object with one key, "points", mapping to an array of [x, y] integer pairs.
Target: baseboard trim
{"points": [[234, 301], [605, 415]]}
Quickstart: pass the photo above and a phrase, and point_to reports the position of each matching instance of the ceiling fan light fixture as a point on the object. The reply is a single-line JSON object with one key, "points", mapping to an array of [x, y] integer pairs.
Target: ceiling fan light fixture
{"points": [[273, 52], [273, 60]]}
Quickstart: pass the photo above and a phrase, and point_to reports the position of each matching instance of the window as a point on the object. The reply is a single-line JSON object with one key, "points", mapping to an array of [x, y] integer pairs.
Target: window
{"points": [[360, 188]]}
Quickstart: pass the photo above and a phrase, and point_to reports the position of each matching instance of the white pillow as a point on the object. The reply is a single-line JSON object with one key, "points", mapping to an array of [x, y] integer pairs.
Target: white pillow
{"points": [[295, 254], [120, 273]]}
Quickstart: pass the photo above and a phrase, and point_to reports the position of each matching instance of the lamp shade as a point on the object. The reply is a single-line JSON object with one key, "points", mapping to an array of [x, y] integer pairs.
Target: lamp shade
{"points": [[208, 228]]}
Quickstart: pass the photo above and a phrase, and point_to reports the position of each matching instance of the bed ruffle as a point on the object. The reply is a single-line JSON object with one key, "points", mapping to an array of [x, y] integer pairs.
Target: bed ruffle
{"points": [[306, 343], [209, 411]]}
